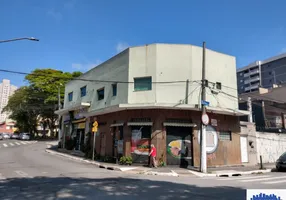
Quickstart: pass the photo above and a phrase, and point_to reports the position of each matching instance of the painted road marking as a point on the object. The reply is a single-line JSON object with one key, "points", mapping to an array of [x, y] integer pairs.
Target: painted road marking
{"points": [[262, 179], [243, 178], [23, 142], [23, 174], [17, 143], [11, 144], [273, 182], [5, 145]]}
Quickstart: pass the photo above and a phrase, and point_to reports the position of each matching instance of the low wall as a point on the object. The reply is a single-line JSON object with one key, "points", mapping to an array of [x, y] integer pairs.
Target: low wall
{"points": [[270, 146]]}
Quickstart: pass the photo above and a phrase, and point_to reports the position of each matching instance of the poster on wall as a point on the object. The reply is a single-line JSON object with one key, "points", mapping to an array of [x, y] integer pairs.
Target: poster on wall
{"points": [[139, 146], [120, 146]]}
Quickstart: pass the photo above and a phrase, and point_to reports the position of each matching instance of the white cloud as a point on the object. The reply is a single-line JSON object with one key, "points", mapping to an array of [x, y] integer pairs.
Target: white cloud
{"points": [[55, 14], [85, 66], [121, 46]]}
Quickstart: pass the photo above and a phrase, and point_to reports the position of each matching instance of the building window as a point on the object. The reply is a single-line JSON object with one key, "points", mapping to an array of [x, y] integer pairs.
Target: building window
{"points": [[100, 94], [70, 95], [241, 87], [83, 91], [270, 73], [241, 81], [225, 135], [241, 74], [114, 89], [141, 84]]}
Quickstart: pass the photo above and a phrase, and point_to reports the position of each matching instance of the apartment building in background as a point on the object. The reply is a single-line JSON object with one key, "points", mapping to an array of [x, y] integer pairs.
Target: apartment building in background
{"points": [[264, 74], [6, 90]]}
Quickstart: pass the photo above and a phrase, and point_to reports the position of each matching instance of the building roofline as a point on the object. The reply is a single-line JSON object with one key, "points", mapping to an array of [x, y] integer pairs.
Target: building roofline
{"points": [[268, 60]]}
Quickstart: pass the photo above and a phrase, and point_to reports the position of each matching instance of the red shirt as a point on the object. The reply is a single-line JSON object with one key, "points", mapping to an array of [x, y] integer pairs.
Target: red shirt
{"points": [[154, 152]]}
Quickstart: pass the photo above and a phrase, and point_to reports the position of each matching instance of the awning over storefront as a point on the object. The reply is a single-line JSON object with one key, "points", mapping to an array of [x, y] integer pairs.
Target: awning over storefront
{"points": [[117, 124], [74, 107], [176, 124], [139, 123], [79, 121]]}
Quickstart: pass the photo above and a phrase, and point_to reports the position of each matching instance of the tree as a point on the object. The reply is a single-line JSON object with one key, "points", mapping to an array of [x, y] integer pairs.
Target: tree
{"points": [[20, 109], [39, 100]]}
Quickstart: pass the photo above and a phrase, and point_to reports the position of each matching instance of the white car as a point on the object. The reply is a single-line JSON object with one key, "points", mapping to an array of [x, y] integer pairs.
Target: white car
{"points": [[25, 136], [6, 135]]}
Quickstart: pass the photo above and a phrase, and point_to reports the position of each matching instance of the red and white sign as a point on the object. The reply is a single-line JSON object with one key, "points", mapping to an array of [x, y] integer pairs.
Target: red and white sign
{"points": [[205, 119]]}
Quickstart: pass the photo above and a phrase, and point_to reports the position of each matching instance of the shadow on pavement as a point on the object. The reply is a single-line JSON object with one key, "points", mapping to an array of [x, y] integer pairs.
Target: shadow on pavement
{"points": [[109, 188]]}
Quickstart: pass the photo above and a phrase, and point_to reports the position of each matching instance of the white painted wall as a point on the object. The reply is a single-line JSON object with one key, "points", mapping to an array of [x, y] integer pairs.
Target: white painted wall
{"points": [[115, 69], [172, 62], [164, 63], [270, 146]]}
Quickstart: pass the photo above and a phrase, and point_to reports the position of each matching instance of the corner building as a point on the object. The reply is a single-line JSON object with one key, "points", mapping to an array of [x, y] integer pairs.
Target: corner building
{"points": [[151, 94]]}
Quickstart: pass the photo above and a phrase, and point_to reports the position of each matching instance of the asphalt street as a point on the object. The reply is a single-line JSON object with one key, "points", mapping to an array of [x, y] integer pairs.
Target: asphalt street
{"points": [[28, 172]]}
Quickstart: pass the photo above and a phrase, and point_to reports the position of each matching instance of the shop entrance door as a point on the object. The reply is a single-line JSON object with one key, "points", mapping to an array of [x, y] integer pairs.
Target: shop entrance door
{"points": [[179, 146]]}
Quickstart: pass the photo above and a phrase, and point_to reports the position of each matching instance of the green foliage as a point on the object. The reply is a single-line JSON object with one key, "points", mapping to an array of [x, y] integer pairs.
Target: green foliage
{"points": [[36, 103], [125, 160]]}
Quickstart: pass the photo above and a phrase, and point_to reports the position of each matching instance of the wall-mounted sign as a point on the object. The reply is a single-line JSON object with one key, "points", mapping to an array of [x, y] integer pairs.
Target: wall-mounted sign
{"points": [[139, 145], [213, 122], [211, 139], [78, 114]]}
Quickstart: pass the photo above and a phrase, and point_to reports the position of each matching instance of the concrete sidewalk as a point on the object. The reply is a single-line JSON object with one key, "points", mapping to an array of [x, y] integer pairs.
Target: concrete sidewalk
{"points": [[161, 171], [229, 171]]}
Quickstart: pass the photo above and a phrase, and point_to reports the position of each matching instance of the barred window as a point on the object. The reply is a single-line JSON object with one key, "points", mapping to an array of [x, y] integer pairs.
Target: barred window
{"points": [[225, 135]]}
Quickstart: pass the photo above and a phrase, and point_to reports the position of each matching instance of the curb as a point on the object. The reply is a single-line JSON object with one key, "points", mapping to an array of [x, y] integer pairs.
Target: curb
{"points": [[99, 165], [237, 173]]}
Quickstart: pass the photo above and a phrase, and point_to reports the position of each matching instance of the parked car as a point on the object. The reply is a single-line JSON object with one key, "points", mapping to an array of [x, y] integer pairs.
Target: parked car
{"points": [[15, 136], [1, 136], [281, 162], [24, 136], [6, 135]]}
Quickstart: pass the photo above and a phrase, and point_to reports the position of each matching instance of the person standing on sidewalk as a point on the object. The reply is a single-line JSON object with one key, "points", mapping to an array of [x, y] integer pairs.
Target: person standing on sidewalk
{"points": [[153, 154]]}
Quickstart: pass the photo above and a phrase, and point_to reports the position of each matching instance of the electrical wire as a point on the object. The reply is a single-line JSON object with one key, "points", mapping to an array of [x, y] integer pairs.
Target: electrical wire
{"points": [[89, 80]]}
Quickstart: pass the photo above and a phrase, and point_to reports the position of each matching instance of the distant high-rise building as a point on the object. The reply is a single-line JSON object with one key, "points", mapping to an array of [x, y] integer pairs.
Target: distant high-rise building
{"points": [[265, 73], [6, 90]]}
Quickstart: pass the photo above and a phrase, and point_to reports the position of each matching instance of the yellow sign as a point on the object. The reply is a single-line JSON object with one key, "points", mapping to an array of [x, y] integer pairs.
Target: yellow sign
{"points": [[81, 126], [94, 129], [95, 124]]}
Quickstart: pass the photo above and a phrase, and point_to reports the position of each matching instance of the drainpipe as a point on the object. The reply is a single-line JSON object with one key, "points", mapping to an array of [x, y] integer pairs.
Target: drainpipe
{"points": [[249, 108]]}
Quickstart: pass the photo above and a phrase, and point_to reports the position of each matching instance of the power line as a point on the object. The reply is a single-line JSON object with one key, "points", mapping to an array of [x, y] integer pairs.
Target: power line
{"points": [[89, 80]]}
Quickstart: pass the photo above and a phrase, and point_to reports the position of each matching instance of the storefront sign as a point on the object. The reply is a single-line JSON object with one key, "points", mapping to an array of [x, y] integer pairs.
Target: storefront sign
{"points": [[81, 125], [78, 114], [211, 139], [120, 146], [139, 146]]}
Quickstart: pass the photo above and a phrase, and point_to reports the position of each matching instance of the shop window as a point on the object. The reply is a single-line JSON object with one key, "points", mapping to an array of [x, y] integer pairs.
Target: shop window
{"points": [[142, 84], [100, 94], [145, 131], [70, 96], [83, 91], [114, 89], [225, 135]]}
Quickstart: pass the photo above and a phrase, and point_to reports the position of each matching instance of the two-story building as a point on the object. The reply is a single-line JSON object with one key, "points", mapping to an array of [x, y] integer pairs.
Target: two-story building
{"points": [[151, 94]]}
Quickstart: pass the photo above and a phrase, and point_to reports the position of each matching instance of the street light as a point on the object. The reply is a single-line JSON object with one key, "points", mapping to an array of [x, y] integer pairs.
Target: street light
{"points": [[16, 39]]}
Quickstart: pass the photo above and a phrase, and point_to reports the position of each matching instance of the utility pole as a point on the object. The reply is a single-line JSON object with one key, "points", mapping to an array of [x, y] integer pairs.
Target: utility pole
{"points": [[249, 107], [59, 117], [187, 92], [203, 156]]}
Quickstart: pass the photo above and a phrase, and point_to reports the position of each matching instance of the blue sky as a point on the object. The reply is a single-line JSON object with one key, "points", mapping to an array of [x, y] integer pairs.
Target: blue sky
{"points": [[78, 34]]}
